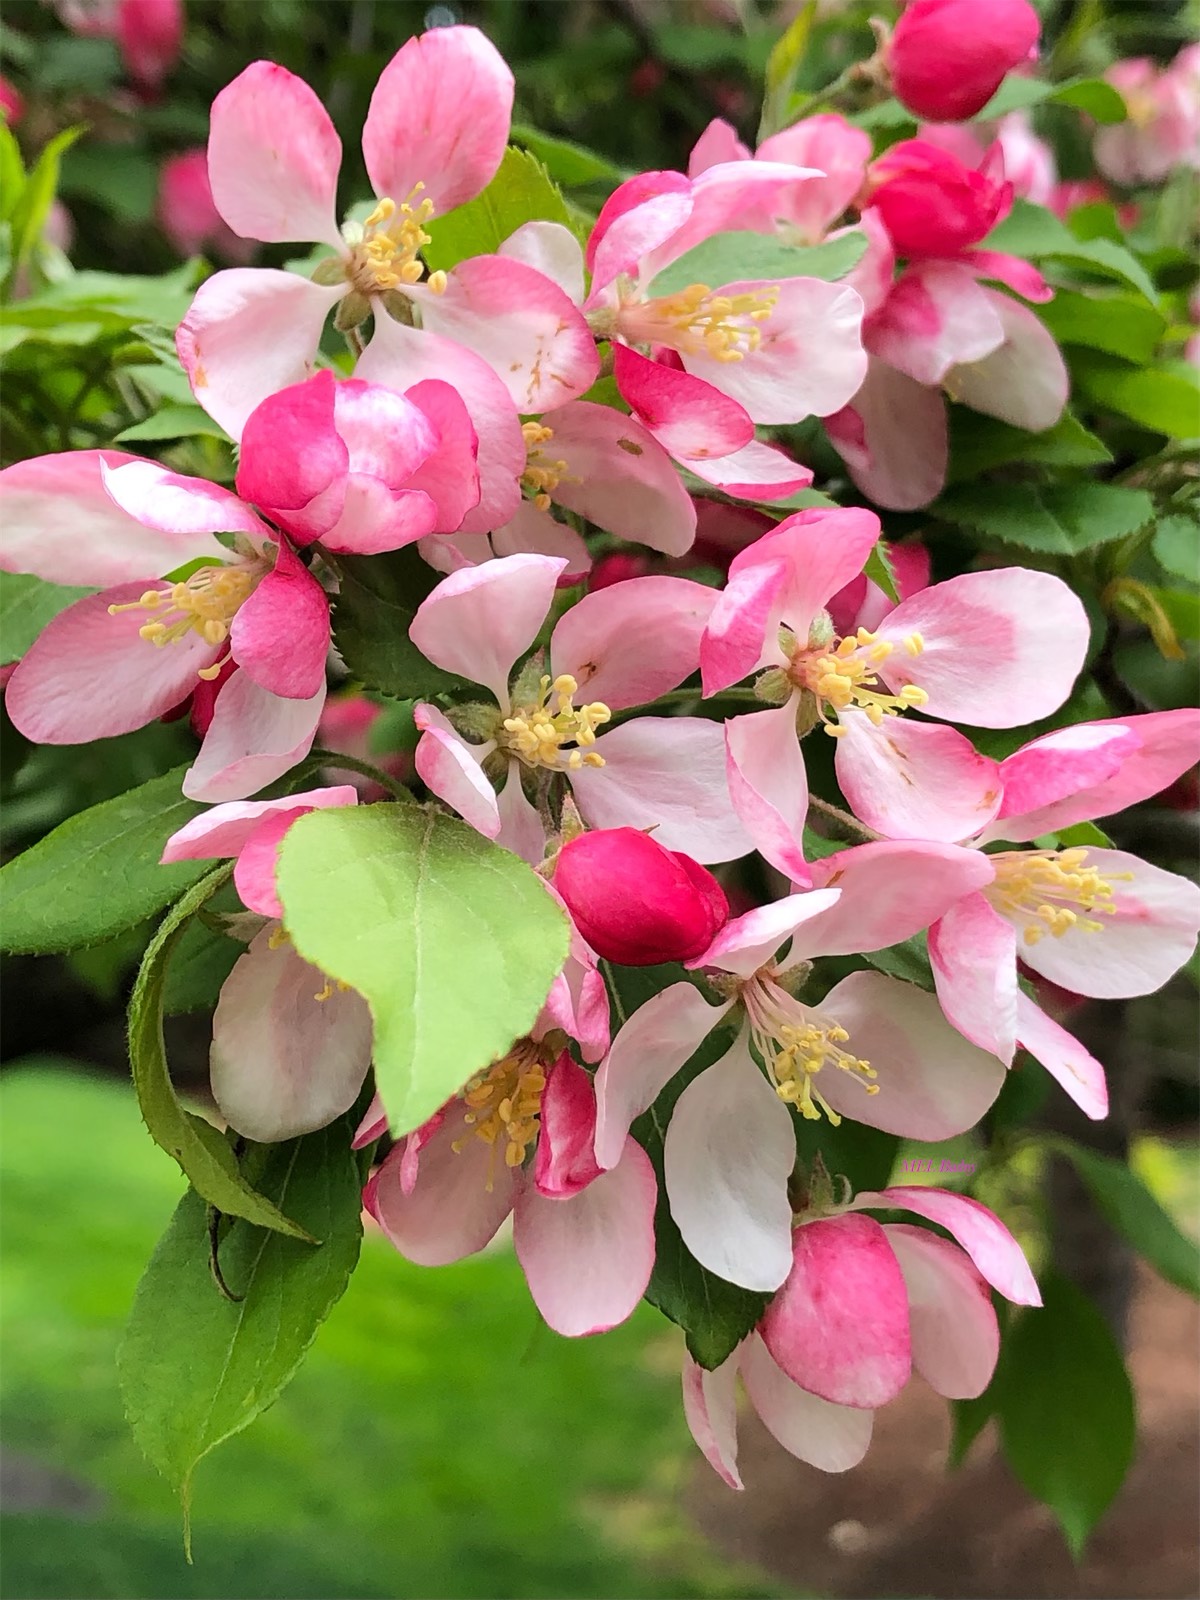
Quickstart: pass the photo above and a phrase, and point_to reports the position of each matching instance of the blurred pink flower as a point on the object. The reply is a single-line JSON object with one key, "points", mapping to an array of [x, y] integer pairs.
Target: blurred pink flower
{"points": [[187, 214]]}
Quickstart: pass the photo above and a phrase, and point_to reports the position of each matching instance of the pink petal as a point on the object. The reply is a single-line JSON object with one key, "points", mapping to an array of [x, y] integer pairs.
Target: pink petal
{"points": [[1001, 648], [756, 472], [1025, 382], [162, 499], [450, 768], [478, 621], [254, 737], [89, 676], [553, 251], [284, 1063], [889, 892], [249, 332], [688, 416], [439, 118], [872, 275], [996, 1254], [224, 830], [893, 439], [457, 1203], [387, 435], [1039, 776], [521, 828], [293, 461], [376, 518], [955, 1335], [732, 196], [280, 635], [630, 642], [58, 521], [273, 158], [811, 361], [831, 1437], [533, 532], [522, 324], [1063, 1057], [973, 952], [254, 873], [719, 142], [588, 1259], [565, 1160], [935, 317], [646, 1054], [637, 217], [932, 1083], [450, 474], [728, 1155], [710, 1407], [665, 773], [839, 1325], [406, 357], [1021, 276], [619, 477], [748, 942], [839, 152], [373, 1125], [742, 632], [914, 780], [769, 786]]}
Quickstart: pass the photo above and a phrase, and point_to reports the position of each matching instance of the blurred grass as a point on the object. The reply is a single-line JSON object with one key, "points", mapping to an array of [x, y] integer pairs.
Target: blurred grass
{"points": [[438, 1441]]}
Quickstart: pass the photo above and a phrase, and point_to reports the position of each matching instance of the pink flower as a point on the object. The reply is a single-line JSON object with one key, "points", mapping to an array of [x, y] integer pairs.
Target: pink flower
{"points": [[947, 58], [862, 1305], [290, 1049], [623, 645], [186, 212], [991, 649], [12, 102], [931, 203], [518, 1138], [1029, 162], [874, 1049], [149, 36], [1163, 123], [636, 903]]}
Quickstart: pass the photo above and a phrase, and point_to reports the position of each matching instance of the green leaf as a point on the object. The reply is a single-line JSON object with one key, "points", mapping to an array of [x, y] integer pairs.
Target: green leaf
{"points": [[97, 873], [199, 965], [204, 1154], [783, 64], [866, 1157], [1176, 545], [79, 308], [909, 961], [28, 216], [522, 191], [1098, 99], [1137, 1216], [27, 604], [173, 422], [1165, 399], [1037, 234], [1067, 1416], [1114, 323], [376, 602], [737, 257], [453, 941], [195, 1367], [978, 443], [567, 163], [879, 571], [1083, 833], [1062, 519], [12, 172]]}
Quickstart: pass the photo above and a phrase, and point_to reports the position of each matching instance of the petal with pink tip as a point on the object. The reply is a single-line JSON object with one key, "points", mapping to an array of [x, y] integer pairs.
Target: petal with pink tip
{"points": [[830, 1437], [273, 158], [1025, 381], [892, 437], [439, 118], [710, 1409], [254, 737], [1000, 648], [406, 357], [58, 521], [533, 532], [522, 324], [1019, 275], [936, 317], [839, 1325], [638, 217], [619, 477], [839, 151], [162, 499], [373, 1125], [1147, 937], [565, 1160], [890, 891], [284, 1063], [450, 768], [645, 1055], [293, 462], [553, 251], [690, 417], [254, 872], [521, 828], [224, 830], [386, 435], [450, 473], [457, 1203], [587, 1260], [280, 635], [811, 361], [914, 780], [1062, 764], [955, 1335], [973, 952], [249, 332], [932, 1083], [728, 1155], [755, 472], [996, 1254], [730, 197], [768, 784], [665, 773], [749, 941], [479, 620], [719, 142], [1063, 1057], [375, 518], [873, 274], [89, 676], [629, 642], [742, 631]]}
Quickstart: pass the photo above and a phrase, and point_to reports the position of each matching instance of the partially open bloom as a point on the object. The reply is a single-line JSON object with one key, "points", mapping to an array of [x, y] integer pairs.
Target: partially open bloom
{"points": [[931, 203], [873, 1049], [863, 1304], [947, 58]]}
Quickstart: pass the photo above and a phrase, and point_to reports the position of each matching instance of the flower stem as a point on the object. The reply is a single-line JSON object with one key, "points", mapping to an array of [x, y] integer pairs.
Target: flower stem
{"points": [[850, 826], [345, 763]]}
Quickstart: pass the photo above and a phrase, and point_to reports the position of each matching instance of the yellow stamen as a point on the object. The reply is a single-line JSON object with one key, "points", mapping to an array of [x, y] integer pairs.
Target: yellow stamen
{"points": [[537, 734], [387, 256], [504, 1104], [847, 675], [698, 322], [541, 477], [795, 1042], [1052, 891], [206, 603]]}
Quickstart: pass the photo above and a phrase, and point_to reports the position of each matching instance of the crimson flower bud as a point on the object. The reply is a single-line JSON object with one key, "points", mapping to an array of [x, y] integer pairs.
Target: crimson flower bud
{"points": [[635, 902], [948, 57], [931, 203]]}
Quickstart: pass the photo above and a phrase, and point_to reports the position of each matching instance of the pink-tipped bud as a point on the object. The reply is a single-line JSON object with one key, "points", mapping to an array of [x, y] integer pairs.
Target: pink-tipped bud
{"points": [[931, 203], [12, 103], [948, 57], [636, 903]]}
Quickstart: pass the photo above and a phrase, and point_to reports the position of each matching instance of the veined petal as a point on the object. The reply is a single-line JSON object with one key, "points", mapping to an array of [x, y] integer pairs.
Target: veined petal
{"points": [[254, 737], [710, 1407], [629, 642], [831, 1437], [619, 477], [280, 634], [889, 891], [768, 784], [457, 1203], [914, 780], [996, 1254], [1063, 1057], [1039, 776], [973, 952], [955, 1335], [690, 417], [450, 768]]}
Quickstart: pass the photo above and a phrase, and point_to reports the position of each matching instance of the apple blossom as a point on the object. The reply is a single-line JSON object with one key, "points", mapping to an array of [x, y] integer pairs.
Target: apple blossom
{"points": [[1162, 129]]}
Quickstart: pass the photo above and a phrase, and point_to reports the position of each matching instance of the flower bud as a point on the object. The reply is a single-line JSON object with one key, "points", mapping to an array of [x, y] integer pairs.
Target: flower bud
{"points": [[948, 57], [930, 203], [635, 902], [150, 37]]}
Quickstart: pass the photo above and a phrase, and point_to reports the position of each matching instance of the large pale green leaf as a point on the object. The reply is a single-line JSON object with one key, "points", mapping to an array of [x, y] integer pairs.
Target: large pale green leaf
{"points": [[1166, 399], [748, 257], [172, 422], [27, 604], [98, 872], [1118, 324], [522, 191], [1062, 519], [453, 941], [197, 1367], [377, 599], [1136, 1214], [1017, 93]]}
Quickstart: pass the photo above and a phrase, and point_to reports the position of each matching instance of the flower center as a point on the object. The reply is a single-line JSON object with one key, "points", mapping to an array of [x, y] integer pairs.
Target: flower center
{"points": [[541, 477], [845, 675], [796, 1042], [385, 254], [1052, 891], [504, 1104], [698, 322], [206, 603], [537, 734]]}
